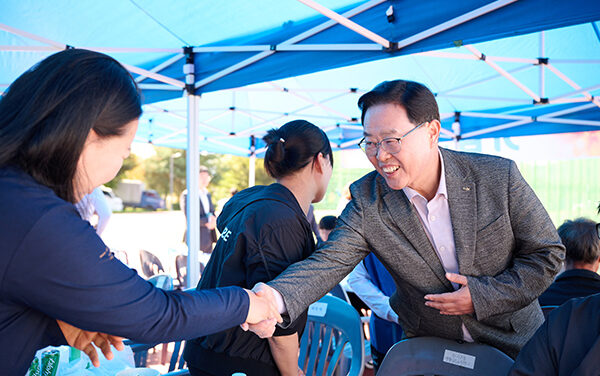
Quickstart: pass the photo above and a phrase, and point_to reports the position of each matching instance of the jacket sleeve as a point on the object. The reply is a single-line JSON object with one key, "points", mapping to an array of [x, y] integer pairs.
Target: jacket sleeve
{"points": [[536, 259], [307, 281], [64, 270]]}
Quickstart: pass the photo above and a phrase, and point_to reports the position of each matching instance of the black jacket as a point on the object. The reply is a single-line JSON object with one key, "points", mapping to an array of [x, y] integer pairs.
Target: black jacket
{"points": [[568, 343], [263, 231], [574, 283]]}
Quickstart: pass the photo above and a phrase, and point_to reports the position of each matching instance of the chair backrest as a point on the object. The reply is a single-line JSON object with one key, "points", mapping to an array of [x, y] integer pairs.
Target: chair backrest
{"points": [[151, 264], [339, 292], [440, 356], [122, 256], [332, 326], [177, 361], [547, 309], [181, 270], [162, 281]]}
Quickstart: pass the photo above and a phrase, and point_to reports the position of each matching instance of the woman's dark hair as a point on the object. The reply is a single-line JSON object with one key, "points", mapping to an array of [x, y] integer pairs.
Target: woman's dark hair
{"points": [[48, 112], [418, 101], [293, 146]]}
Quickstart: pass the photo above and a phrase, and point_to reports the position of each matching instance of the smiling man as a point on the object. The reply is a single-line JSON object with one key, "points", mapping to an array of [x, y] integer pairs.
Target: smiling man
{"points": [[466, 240]]}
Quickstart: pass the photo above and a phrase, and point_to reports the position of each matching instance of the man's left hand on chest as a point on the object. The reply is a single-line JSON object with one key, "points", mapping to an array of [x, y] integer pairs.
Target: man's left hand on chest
{"points": [[453, 303]]}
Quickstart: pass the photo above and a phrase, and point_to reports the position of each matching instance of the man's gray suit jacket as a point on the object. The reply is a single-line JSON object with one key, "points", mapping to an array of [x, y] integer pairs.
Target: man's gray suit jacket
{"points": [[506, 245]]}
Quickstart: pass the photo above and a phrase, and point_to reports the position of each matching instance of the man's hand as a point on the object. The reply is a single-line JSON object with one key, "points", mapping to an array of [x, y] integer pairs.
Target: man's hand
{"points": [[212, 222], [265, 327], [453, 303], [263, 305], [82, 340]]}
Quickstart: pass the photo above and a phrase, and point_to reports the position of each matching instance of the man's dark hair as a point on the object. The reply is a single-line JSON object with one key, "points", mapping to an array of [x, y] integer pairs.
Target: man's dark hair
{"points": [[328, 222], [418, 101], [580, 238]]}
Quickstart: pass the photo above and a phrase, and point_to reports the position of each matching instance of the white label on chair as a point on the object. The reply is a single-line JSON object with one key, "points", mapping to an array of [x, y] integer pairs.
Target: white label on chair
{"points": [[459, 359], [317, 309]]}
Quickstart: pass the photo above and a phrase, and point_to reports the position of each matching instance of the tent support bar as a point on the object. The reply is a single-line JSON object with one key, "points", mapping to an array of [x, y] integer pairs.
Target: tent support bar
{"points": [[300, 37], [162, 66], [454, 22], [346, 22], [569, 121], [293, 47], [158, 86], [494, 116], [485, 79], [542, 71], [282, 115], [314, 103], [496, 128], [570, 82], [587, 89], [156, 76], [193, 202], [12, 30], [504, 73]]}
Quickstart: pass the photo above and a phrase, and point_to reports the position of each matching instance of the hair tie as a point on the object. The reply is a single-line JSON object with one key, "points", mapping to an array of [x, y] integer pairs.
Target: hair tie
{"points": [[281, 140]]}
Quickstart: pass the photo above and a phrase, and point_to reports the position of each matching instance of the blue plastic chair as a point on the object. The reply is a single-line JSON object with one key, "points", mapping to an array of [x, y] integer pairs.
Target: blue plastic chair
{"points": [[162, 281], [332, 326], [440, 356]]}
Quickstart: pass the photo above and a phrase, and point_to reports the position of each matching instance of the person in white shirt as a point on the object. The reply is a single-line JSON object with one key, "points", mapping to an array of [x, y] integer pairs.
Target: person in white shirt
{"points": [[94, 208]]}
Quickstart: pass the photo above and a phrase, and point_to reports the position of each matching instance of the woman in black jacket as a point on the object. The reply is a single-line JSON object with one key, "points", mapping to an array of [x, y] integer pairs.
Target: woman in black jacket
{"points": [[264, 230]]}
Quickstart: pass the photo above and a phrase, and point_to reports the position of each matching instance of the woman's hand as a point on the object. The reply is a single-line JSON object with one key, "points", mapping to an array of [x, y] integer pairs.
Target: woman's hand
{"points": [[82, 340]]}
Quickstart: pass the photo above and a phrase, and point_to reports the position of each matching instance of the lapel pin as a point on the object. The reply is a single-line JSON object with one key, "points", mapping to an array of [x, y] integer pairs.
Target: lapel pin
{"points": [[466, 188]]}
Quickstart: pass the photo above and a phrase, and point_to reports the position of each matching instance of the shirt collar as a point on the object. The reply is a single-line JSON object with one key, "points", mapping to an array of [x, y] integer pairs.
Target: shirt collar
{"points": [[441, 190]]}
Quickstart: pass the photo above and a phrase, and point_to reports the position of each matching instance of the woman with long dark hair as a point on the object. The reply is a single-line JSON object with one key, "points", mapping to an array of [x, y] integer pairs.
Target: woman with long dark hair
{"points": [[263, 230], [66, 126]]}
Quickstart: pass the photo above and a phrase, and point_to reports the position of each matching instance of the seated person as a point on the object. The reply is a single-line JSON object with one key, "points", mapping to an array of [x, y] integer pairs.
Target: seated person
{"points": [[374, 285], [326, 225], [580, 277], [566, 344]]}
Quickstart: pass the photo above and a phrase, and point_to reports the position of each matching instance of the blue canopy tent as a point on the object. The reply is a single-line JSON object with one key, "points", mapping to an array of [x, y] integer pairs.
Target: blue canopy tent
{"points": [[526, 84]]}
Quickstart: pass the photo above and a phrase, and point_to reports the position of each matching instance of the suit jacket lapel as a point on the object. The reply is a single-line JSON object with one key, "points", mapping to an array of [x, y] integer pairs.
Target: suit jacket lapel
{"points": [[462, 201], [407, 219]]}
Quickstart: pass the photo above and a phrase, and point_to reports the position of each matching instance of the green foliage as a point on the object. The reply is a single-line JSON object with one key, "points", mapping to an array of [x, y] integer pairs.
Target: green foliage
{"points": [[227, 171]]}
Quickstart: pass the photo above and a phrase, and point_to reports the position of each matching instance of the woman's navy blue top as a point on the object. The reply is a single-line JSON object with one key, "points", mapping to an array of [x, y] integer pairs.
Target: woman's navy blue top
{"points": [[54, 266]]}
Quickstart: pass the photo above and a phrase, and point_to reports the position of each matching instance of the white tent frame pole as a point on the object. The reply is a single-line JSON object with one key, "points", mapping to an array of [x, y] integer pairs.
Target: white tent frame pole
{"points": [[313, 102], [587, 89], [504, 73], [296, 39], [494, 116], [496, 128], [347, 23], [163, 65], [454, 22], [12, 30], [568, 100], [28, 48], [156, 76], [158, 87], [571, 83], [193, 201], [569, 110], [569, 121], [473, 97], [283, 115], [542, 71], [483, 80]]}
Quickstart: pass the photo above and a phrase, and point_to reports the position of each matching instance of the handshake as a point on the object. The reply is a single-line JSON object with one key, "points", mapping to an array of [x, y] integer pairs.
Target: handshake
{"points": [[263, 313]]}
